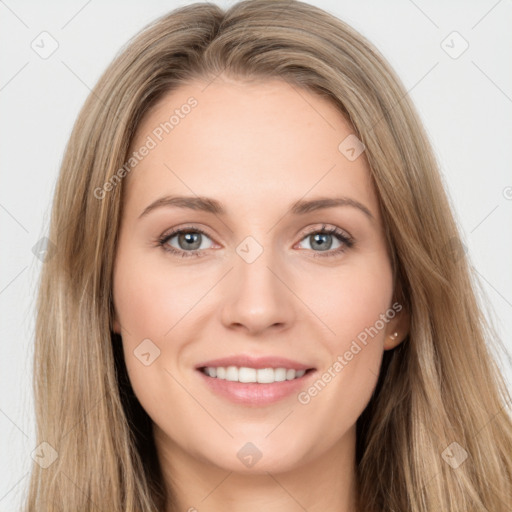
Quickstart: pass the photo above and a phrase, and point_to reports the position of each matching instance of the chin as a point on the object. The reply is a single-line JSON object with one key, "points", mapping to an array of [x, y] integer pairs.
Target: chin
{"points": [[257, 458]]}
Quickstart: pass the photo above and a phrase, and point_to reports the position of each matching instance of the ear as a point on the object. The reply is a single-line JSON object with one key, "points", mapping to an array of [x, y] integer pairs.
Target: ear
{"points": [[397, 329], [116, 326]]}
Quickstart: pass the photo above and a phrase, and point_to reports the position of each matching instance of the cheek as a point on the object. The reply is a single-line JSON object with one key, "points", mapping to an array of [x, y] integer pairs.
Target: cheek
{"points": [[155, 302], [151, 297], [350, 300], [350, 303], [148, 303]]}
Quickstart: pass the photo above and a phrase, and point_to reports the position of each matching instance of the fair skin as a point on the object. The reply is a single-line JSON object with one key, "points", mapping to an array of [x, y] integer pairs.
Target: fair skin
{"points": [[256, 148]]}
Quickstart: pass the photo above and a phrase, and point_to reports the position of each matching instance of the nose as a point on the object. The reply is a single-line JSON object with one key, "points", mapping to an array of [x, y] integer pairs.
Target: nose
{"points": [[258, 296]]}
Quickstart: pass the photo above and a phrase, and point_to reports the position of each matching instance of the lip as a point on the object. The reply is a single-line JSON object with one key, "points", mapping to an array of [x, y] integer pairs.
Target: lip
{"points": [[256, 362], [254, 394]]}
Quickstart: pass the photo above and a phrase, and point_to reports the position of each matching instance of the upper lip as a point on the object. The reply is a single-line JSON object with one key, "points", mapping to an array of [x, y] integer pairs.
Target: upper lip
{"points": [[255, 362]]}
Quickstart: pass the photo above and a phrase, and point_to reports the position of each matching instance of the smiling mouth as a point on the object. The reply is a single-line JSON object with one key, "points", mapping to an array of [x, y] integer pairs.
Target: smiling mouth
{"points": [[246, 374]]}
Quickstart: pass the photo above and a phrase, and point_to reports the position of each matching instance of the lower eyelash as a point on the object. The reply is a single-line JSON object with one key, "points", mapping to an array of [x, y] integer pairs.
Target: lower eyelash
{"points": [[347, 242], [162, 242]]}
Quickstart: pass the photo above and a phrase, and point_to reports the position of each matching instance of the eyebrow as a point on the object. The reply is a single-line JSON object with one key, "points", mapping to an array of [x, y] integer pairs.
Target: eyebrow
{"points": [[210, 205]]}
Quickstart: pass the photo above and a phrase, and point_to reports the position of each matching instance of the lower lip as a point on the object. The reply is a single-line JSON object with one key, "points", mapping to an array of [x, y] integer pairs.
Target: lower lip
{"points": [[255, 394]]}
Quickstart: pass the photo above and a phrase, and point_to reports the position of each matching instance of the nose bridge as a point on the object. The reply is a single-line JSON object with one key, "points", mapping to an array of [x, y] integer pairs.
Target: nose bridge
{"points": [[256, 297], [253, 268]]}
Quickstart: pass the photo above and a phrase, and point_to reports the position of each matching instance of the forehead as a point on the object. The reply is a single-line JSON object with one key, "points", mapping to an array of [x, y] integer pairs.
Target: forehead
{"points": [[247, 144]]}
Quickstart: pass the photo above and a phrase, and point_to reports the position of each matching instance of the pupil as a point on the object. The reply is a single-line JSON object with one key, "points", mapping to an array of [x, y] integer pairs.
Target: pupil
{"points": [[322, 245], [319, 241], [189, 238]]}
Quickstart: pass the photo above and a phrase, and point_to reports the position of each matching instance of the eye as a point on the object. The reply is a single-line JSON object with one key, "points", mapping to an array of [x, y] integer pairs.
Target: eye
{"points": [[189, 240], [322, 239]]}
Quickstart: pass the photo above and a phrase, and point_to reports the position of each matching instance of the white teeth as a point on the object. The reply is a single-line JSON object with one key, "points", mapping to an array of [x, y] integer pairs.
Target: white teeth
{"points": [[247, 374], [232, 373], [260, 375], [280, 374], [266, 375]]}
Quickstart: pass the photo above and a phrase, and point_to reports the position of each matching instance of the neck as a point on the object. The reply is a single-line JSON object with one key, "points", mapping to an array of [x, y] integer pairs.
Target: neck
{"points": [[326, 483]]}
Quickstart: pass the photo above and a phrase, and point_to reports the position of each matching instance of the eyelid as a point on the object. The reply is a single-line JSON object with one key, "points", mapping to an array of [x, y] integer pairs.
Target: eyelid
{"points": [[166, 236], [326, 227], [342, 235]]}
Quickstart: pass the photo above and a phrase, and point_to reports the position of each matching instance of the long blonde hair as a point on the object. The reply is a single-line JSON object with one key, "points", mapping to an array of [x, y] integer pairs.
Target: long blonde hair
{"points": [[440, 395]]}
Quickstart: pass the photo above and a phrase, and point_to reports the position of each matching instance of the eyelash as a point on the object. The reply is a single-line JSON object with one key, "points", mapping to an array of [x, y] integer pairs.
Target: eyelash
{"points": [[346, 240]]}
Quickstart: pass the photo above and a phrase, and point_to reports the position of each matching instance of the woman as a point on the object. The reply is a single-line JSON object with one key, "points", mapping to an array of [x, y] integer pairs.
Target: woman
{"points": [[202, 345]]}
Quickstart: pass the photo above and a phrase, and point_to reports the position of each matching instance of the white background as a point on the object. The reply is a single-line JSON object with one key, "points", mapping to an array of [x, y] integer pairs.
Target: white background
{"points": [[465, 104]]}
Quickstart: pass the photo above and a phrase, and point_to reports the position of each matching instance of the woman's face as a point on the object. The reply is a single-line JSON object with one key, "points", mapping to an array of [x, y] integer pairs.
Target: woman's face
{"points": [[252, 282]]}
